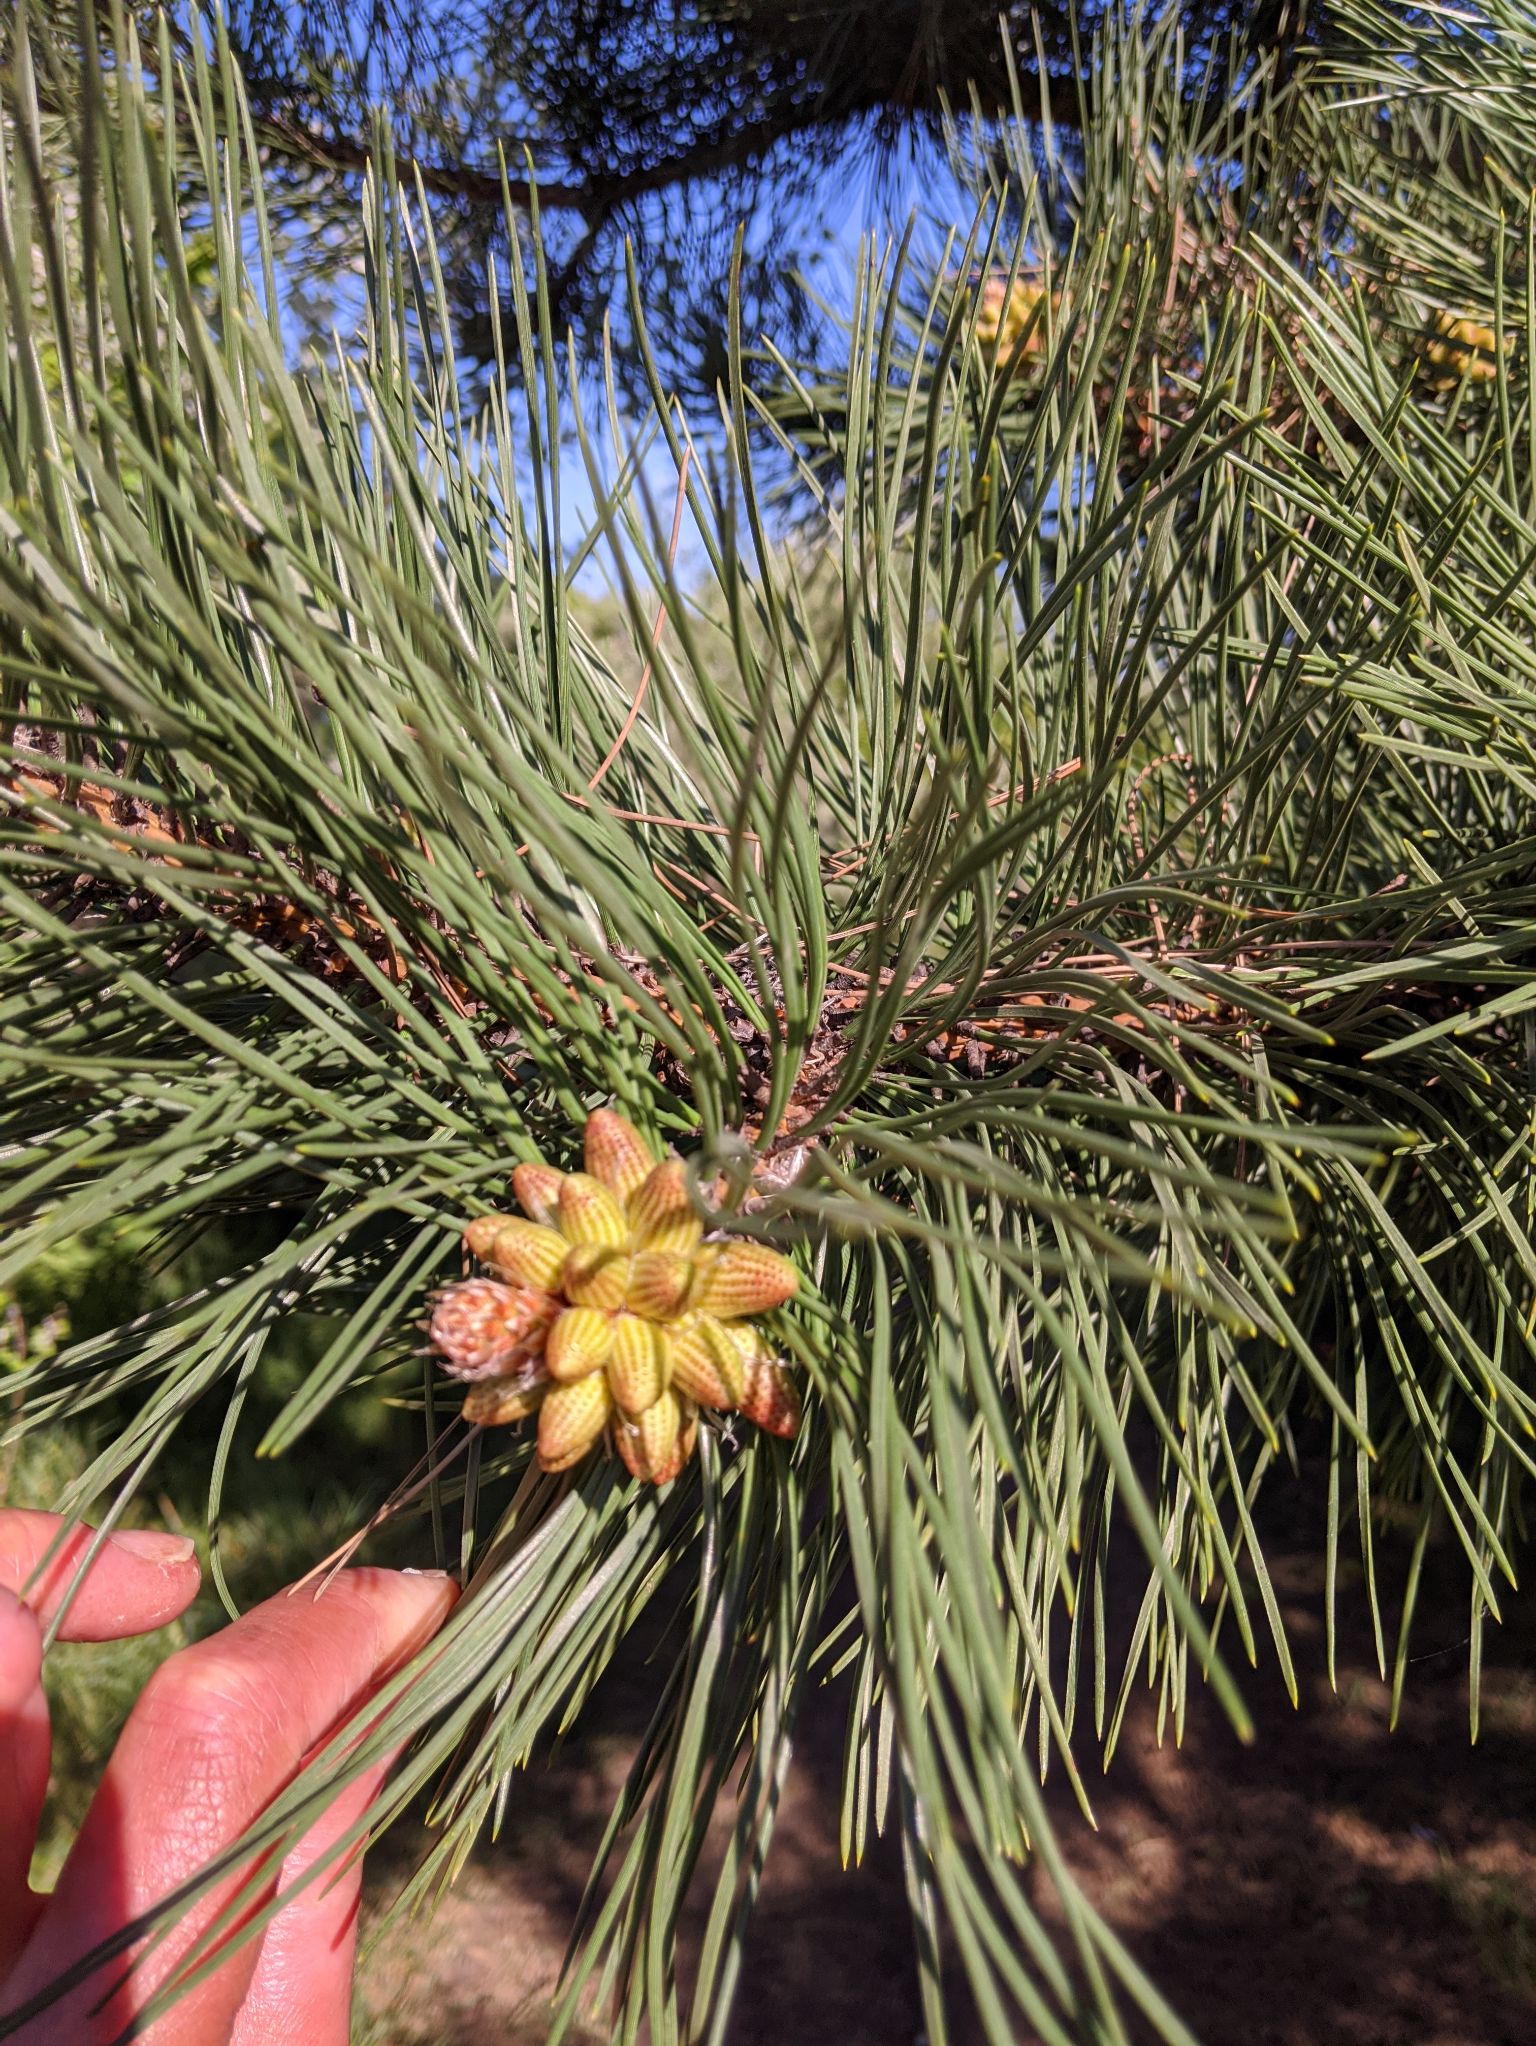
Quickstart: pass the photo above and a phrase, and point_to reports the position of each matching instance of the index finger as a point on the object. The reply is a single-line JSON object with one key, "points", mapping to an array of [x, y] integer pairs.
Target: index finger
{"points": [[140, 1579]]}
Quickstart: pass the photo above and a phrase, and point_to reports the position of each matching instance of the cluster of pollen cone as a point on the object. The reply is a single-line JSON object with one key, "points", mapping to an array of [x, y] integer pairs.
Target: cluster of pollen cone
{"points": [[609, 1313], [1005, 310]]}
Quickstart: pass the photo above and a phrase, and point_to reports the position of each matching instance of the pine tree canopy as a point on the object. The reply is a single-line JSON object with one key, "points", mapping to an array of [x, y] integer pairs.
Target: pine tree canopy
{"points": [[1072, 896], [660, 125]]}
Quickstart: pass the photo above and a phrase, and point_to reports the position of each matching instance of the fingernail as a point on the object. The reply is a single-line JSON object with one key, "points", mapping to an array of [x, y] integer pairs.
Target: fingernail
{"points": [[151, 1545], [410, 1571]]}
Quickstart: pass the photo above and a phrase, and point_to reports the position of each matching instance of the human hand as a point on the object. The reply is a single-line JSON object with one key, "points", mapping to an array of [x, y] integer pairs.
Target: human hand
{"points": [[219, 1730]]}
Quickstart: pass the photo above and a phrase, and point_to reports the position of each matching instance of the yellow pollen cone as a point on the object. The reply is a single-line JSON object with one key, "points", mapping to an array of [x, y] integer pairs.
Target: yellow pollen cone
{"points": [[706, 1365], [660, 1425], [638, 1364], [745, 1278], [524, 1252], [480, 1234], [633, 1447], [578, 1342], [656, 1446], [660, 1212], [1468, 331], [589, 1214], [688, 1435], [596, 1277], [1467, 349], [771, 1398], [537, 1188], [660, 1283], [616, 1153], [571, 1419], [746, 1339], [1004, 311], [501, 1400], [630, 1444]]}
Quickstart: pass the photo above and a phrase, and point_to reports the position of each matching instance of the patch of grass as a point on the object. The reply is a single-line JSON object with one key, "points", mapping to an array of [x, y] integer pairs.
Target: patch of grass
{"points": [[1501, 1918]]}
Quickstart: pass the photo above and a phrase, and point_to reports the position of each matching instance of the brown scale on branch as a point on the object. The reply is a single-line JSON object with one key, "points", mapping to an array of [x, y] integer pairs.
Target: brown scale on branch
{"points": [[1000, 1032], [315, 940]]}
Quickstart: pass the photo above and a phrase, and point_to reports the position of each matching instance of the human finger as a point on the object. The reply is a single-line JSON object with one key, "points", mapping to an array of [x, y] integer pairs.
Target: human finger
{"points": [[23, 1767], [218, 1731], [302, 1984], [140, 1579]]}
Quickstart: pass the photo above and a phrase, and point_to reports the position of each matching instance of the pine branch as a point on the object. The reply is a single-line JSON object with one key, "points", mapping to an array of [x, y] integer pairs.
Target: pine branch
{"points": [[596, 197], [1051, 1007], [1093, 895]]}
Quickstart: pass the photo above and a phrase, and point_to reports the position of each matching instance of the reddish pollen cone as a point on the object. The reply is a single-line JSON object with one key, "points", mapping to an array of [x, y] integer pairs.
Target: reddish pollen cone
{"points": [[770, 1397], [484, 1328]]}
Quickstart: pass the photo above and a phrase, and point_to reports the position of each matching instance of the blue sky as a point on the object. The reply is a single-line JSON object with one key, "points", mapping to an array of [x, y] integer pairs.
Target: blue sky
{"points": [[852, 198], [849, 202]]}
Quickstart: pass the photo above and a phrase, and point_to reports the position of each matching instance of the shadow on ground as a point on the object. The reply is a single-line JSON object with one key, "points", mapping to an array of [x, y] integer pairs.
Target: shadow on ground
{"points": [[1333, 1884]]}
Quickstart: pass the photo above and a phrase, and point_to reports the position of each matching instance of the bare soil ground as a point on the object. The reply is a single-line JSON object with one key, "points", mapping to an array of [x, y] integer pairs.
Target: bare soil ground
{"points": [[1334, 1884]]}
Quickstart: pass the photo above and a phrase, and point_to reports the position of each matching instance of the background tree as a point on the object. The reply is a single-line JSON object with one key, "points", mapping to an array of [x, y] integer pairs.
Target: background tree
{"points": [[1102, 958], [662, 126]]}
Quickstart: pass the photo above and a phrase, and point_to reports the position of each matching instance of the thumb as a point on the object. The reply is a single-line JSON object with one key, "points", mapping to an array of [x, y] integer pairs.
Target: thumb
{"points": [[23, 1768]]}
